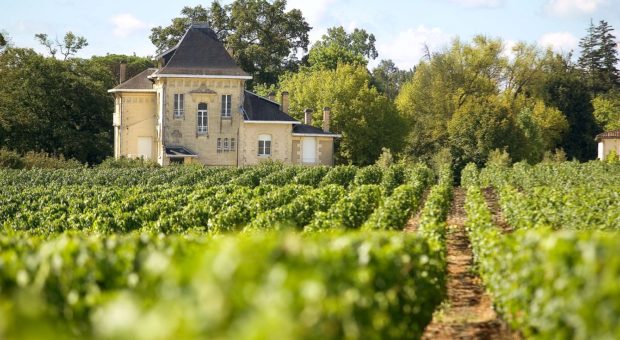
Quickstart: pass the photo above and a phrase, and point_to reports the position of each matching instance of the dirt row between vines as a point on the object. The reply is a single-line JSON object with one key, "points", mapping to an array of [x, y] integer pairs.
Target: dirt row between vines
{"points": [[467, 313]]}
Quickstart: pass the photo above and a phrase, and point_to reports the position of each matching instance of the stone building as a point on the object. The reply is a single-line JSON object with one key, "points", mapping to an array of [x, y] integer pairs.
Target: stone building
{"points": [[194, 108]]}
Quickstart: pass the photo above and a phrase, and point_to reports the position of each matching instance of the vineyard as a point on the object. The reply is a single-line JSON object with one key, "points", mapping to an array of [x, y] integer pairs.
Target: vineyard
{"points": [[285, 252]]}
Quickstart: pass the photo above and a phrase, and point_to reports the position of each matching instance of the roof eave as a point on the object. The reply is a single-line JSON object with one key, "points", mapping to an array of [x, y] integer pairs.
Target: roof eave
{"points": [[294, 122], [334, 135], [132, 90]]}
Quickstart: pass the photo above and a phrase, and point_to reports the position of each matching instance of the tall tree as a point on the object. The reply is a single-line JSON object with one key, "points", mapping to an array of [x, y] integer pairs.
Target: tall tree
{"points": [[388, 78], [53, 106], [599, 58], [264, 37], [339, 47], [608, 50], [68, 47], [471, 99], [367, 120]]}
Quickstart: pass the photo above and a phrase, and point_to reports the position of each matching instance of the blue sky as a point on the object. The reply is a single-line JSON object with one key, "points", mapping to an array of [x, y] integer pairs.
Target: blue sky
{"points": [[401, 27]]}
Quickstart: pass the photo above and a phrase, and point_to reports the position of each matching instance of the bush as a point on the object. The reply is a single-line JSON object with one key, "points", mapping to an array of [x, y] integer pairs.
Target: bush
{"points": [[371, 174], [123, 162], [11, 160], [341, 175], [499, 158], [43, 160]]}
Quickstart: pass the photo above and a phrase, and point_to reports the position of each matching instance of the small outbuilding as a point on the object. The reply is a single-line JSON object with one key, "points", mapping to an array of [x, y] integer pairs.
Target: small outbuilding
{"points": [[607, 142]]}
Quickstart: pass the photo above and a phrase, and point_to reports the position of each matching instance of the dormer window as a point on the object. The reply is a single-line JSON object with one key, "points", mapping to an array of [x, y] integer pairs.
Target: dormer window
{"points": [[178, 105], [226, 105]]}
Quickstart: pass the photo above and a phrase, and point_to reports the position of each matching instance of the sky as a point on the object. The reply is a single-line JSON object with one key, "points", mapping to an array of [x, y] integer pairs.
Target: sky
{"points": [[401, 27]]}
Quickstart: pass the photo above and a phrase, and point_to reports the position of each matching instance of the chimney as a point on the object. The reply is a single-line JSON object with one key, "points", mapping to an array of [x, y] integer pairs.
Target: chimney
{"points": [[326, 116], [284, 102], [123, 72], [272, 96], [308, 117]]}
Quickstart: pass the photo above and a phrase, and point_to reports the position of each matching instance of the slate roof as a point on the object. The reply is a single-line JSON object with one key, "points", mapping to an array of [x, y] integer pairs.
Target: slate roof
{"points": [[608, 135], [138, 82], [199, 52], [257, 108], [311, 130]]}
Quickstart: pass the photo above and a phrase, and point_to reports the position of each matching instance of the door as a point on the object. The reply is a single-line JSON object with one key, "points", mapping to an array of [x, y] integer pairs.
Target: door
{"points": [[145, 147], [308, 150]]}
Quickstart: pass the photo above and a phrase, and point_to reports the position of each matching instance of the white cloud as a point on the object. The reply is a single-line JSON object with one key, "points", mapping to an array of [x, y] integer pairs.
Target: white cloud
{"points": [[559, 41], [313, 10], [125, 24], [574, 7], [407, 48], [479, 3], [509, 44]]}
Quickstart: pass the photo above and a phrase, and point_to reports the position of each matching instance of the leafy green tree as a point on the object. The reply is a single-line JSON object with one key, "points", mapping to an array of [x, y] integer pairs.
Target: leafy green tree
{"points": [[367, 120], [565, 90], [339, 47], [388, 78], [607, 110], [53, 106], [263, 36], [471, 99], [68, 47], [111, 65]]}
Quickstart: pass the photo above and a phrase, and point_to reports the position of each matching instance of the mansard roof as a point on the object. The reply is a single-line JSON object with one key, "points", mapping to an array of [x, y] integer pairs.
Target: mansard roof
{"points": [[200, 53]]}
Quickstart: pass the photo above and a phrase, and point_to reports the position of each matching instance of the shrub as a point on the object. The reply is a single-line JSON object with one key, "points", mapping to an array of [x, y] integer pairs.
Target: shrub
{"points": [[11, 160], [46, 161], [123, 162], [371, 174]]}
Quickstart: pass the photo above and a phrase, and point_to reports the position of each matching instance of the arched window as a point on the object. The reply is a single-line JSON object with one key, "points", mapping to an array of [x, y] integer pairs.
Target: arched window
{"points": [[264, 145], [203, 118]]}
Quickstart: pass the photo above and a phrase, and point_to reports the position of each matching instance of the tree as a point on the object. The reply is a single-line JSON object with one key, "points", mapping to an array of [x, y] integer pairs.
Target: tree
{"points": [[367, 120], [53, 106], [359, 41], [608, 50], [339, 47], [565, 90], [388, 78], [3, 41], [607, 110], [472, 99], [69, 46], [110, 67], [263, 36], [599, 58]]}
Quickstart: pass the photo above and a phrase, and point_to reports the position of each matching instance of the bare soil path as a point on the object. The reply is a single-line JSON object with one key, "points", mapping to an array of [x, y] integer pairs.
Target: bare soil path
{"points": [[468, 312]]}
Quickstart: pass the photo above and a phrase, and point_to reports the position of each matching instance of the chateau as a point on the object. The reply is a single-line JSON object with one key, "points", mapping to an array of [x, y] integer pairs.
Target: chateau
{"points": [[194, 108]]}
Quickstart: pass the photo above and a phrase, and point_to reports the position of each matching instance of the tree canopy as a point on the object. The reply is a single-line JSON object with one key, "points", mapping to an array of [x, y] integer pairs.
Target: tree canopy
{"points": [[367, 120]]}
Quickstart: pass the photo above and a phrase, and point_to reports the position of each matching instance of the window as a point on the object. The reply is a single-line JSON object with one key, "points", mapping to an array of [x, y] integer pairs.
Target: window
{"points": [[225, 144], [232, 144], [219, 145], [178, 105], [203, 119], [226, 105], [264, 145]]}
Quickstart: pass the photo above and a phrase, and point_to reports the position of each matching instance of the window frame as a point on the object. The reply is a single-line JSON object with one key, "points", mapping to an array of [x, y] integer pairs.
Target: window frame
{"points": [[226, 109], [225, 147], [202, 116], [178, 109], [232, 144], [219, 145], [264, 145]]}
